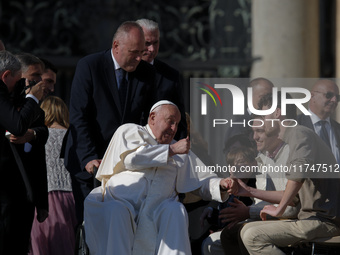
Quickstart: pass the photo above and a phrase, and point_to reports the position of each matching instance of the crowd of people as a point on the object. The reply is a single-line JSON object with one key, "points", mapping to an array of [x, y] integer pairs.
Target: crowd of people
{"points": [[37, 204], [126, 118]]}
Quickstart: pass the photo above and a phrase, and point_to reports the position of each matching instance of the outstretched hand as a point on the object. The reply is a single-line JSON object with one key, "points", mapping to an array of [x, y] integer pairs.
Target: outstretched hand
{"points": [[241, 190]]}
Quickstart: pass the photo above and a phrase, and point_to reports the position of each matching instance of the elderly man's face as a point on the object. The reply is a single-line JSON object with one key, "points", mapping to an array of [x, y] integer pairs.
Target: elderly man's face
{"points": [[152, 45], [164, 123], [128, 50], [324, 98]]}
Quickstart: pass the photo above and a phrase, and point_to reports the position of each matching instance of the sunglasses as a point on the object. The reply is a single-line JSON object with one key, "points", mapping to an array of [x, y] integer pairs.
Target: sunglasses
{"points": [[330, 95]]}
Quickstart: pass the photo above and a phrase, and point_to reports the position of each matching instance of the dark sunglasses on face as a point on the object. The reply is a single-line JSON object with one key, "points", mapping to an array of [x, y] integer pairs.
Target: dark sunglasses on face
{"points": [[330, 95]]}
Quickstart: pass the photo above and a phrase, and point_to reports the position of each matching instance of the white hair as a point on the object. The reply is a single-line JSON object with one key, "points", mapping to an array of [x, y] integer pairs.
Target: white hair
{"points": [[148, 24]]}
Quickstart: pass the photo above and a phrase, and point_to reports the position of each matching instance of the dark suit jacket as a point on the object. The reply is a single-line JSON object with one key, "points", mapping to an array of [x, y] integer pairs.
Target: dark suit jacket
{"points": [[35, 161], [10, 119], [306, 121], [95, 111], [17, 123], [169, 87]]}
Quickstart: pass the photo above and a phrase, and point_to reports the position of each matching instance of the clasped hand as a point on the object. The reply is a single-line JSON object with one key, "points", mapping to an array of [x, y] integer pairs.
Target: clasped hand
{"points": [[26, 138], [228, 184]]}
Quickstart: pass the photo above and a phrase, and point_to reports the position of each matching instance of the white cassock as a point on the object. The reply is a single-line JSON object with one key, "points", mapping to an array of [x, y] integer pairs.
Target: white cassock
{"points": [[136, 211]]}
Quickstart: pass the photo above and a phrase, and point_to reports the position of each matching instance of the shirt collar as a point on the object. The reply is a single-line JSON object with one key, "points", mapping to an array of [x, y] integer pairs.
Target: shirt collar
{"points": [[150, 131], [276, 151], [315, 119], [117, 66]]}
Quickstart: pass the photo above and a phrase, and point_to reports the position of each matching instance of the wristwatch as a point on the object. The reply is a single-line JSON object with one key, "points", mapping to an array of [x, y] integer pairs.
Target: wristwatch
{"points": [[34, 134]]}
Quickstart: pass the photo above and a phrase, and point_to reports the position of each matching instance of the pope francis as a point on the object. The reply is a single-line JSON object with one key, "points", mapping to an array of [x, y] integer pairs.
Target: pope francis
{"points": [[136, 209]]}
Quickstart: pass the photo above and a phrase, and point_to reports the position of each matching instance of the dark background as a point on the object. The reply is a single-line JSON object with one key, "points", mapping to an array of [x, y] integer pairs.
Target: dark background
{"points": [[202, 38]]}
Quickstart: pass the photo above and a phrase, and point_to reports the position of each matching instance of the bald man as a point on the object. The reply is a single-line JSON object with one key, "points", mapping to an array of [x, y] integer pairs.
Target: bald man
{"points": [[109, 88], [324, 100]]}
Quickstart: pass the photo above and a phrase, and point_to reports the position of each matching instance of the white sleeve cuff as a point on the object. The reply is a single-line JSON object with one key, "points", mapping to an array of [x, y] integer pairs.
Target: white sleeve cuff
{"points": [[33, 97]]}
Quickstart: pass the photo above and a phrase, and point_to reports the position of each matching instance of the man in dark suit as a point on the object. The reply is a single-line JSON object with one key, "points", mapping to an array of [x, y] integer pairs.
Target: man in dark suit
{"points": [[324, 100], [31, 146], [16, 188], [167, 79], [101, 102]]}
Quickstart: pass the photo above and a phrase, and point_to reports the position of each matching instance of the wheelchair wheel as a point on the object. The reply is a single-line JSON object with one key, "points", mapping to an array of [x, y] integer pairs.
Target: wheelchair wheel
{"points": [[81, 247]]}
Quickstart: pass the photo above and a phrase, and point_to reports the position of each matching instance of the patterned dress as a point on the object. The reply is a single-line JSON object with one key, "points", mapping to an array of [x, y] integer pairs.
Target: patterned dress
{"points": [[56, 234]]}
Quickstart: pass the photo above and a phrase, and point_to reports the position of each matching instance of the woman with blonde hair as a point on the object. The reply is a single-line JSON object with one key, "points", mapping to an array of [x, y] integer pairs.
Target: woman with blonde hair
{"points": [[56, 234]]}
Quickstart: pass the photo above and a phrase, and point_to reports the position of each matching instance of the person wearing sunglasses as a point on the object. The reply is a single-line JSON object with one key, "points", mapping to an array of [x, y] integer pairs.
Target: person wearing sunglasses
{"points": [[324, 100]]}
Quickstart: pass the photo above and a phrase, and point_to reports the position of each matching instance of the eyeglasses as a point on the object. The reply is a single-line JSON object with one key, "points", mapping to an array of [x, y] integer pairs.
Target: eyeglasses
{"points": [[330, 95]]}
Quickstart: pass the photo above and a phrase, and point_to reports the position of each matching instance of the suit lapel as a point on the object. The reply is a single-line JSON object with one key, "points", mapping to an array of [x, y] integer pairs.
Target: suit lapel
{"points": [[307, 122], [336, 131]]}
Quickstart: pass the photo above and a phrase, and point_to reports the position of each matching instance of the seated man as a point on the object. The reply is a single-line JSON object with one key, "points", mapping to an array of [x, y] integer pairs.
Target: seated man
{"points": [[136, 211], [319, 215], [272, 152]]}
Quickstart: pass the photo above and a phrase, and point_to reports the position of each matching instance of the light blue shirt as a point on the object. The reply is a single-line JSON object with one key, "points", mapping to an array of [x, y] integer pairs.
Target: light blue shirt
{"points": [[317, 128], [117, 66]]}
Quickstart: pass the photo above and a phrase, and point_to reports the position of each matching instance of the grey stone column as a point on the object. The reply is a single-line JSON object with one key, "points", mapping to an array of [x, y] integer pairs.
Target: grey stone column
{"points": [[285, 37]]}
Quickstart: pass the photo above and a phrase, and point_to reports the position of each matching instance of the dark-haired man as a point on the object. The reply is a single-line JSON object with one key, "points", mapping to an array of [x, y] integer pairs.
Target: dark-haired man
{"points": [[49, 76]]}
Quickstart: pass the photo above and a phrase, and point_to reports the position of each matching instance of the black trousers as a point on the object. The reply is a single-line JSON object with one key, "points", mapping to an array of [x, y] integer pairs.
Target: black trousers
{"points": [[16, 218], [80, 188]]}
